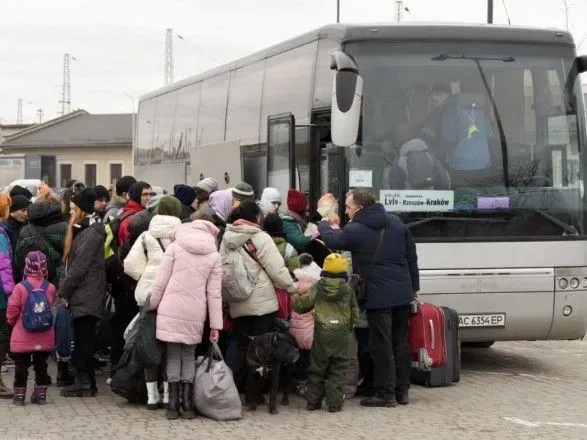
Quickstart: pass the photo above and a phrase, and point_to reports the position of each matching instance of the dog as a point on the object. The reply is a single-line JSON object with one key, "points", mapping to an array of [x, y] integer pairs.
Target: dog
{"points": [[270, 357]]}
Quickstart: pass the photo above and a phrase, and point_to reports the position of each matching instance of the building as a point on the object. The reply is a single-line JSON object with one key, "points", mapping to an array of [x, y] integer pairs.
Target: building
{"points": [[95, 149], [10, 129]]}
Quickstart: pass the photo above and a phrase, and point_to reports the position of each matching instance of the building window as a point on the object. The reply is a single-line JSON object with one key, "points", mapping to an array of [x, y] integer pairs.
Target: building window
{"points": [[64, 173], [115, 172], [91, 174]]}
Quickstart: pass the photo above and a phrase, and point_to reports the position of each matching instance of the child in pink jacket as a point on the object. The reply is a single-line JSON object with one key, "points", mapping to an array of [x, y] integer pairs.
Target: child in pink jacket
{"points": [[185, 292], [29, 347]]}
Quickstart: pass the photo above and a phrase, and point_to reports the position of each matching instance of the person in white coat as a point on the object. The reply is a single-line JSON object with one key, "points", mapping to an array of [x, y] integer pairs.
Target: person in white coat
{"points": [[142, 263]]}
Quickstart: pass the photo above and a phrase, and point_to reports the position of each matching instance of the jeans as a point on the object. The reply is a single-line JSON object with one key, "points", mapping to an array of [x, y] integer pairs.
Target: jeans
{"points": [[390, 350], [82, 358], [22, 363], [181, 362]]}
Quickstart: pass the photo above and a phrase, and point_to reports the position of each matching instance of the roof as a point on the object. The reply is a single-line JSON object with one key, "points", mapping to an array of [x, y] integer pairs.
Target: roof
{"points": [[402, 31], [75, 130]]}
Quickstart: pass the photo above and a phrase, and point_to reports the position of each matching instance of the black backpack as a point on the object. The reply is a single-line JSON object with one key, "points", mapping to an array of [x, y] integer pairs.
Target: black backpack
{"points": [[128, 380]]}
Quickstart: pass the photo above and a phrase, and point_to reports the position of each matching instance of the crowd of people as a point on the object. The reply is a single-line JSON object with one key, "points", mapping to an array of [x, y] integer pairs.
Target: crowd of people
{"points": [[173, 254]]}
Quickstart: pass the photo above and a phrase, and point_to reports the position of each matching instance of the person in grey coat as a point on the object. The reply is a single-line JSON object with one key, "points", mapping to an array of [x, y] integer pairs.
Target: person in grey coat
{"points": [[84, 288]]}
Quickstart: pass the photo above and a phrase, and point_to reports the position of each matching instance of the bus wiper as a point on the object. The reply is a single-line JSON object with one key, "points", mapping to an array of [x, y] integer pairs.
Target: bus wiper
{"points": [[484, 220], [569, 229]]}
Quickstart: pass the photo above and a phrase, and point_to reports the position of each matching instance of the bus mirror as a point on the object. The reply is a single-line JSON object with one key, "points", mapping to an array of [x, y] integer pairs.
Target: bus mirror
{"points": [[347, 93], [582, 63]]}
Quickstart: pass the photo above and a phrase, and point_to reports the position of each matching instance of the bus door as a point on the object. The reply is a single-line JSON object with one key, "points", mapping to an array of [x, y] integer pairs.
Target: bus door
{"points": [[280, 148]]}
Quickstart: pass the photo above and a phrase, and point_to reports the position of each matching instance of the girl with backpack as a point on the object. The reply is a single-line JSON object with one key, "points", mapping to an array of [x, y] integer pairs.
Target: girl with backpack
{"points": [[33, 338]]}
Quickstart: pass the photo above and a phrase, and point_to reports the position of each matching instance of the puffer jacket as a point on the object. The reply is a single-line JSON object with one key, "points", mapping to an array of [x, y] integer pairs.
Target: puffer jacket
{"points": [[270, 269], [5, 268], [301, 326], [187, 286], [45, 232], [145, 256], [294, 228]]}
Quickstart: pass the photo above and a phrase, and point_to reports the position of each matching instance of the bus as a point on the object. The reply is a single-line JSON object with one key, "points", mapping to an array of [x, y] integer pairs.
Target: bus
{"points": [[474, 135]]}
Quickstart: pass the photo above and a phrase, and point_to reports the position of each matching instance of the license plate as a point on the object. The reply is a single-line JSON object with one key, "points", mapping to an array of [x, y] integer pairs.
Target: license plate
{"points": [[482, 320]]}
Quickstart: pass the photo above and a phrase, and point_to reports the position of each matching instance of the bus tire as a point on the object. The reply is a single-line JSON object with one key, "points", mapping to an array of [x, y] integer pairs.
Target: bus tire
{"points": [[482, 344]]}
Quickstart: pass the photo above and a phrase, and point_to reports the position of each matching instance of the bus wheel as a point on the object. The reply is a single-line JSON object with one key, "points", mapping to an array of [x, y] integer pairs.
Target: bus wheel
{"points": [[484, 344]]}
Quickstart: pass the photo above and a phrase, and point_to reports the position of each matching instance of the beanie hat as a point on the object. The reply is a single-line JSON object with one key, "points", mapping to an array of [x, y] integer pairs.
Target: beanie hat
{"points": [[124, 183], [19, 202], [297, 201], [136, 191], [185, 194], [153, 204], [101, 192], [335, 263], [85, 200], [209, 184], [18, 190], [305, 259], [243, 192], [35, 264], [271, 195], [169, 205], [327, 204], [273, 225]]}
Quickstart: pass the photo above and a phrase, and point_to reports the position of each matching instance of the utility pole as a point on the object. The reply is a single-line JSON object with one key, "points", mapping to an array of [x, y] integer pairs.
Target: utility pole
{"points": [[338, 11], [66, 89], [19, 112], [489, 11], [399, 7], [40, 114], [168, 73], [566, 12]]}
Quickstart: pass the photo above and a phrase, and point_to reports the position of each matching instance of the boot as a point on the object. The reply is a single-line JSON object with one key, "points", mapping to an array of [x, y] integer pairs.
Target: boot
{"points": [[19, 396], [377, 401], [173, 407], [82, 387], [165, 399], [39, 395], [187, 404], [93, 386], [64, 377], [5, 393], [152, 396]]}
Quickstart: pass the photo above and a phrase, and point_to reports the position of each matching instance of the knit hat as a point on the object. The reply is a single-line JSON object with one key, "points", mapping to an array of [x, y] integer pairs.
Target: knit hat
{"points": [[102, 193], [153, 204], [19, 202], [185, 194], [305, 259], [136, 191], [243, 191], [273, 225], [169, 205], [327, 204], [85, 200], [271, 195], [209, 184], [124, 183], [335, 263], [297, 201], [35, 264], [18, 190]]}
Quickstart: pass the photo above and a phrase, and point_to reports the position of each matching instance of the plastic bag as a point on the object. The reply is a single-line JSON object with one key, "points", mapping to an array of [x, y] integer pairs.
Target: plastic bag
{"points": [[130, 333], [149, 349]]}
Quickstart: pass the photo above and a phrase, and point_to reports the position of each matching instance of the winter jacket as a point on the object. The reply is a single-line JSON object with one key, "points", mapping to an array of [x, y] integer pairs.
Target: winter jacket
{"points": [[45, 232], [128, 211], [13, 228], [301, 326], [395, 276], [113, 208], [334, 303], [293, 229], [145, 256], [288, 252], [187, 286], [84, 284], [5, 268], [21, 340], [270, 269]]}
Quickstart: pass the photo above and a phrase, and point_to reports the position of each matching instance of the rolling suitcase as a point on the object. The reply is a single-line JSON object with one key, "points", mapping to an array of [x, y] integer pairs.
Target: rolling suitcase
{"points": [[426, 329], [450, 372]]}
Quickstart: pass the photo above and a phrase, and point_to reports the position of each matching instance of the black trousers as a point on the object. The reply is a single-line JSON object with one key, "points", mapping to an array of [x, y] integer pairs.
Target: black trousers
{"points": [[247, 326], [82, 358], [5, 331], [22, 363], [364, 356], [390, 350]]}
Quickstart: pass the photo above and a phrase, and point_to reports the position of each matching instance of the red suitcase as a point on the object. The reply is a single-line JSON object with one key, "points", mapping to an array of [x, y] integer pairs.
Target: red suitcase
{"points": [[427, 337]]}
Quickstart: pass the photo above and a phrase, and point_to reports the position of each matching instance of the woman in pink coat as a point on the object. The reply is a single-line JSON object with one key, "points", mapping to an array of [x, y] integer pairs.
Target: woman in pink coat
{"points": [[185, 292]]}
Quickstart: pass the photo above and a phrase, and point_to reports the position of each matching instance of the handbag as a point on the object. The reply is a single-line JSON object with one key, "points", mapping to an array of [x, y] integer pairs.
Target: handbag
{"points": [[358, 283]]}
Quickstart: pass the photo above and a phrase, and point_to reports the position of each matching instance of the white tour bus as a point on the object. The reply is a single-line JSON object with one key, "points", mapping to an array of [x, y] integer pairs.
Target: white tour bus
{"points": [[474, 135]]}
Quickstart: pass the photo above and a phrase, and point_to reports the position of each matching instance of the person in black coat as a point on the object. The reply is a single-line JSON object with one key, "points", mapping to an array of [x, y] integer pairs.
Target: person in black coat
{"points": [[392, 283]]}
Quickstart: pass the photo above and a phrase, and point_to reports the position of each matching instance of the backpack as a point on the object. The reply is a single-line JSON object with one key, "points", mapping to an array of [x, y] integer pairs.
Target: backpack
{"points": [[236, 282], [113, 263], [128, 378], [416, 166], [37, 315]]}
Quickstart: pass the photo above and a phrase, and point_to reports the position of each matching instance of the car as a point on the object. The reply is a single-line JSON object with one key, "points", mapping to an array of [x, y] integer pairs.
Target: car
{"points": [[30, 184]]}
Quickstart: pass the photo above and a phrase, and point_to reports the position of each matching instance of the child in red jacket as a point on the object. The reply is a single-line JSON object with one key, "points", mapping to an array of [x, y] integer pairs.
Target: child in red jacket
{"points": [[33, 337]]}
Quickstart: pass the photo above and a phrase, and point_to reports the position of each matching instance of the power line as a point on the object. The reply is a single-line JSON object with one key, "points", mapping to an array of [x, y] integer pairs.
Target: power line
{"points": [[507, 14]]}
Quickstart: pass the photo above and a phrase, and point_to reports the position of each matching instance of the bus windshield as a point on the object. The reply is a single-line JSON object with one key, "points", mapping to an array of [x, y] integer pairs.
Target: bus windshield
{"points": [[471, 140]]}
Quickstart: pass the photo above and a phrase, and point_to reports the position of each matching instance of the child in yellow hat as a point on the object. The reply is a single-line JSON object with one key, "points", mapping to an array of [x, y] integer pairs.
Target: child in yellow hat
{"points": [[336, 313]]}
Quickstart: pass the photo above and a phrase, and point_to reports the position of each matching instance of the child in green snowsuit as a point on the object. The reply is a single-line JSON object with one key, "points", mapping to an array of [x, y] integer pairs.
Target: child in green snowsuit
{"points": [[336, 312]]}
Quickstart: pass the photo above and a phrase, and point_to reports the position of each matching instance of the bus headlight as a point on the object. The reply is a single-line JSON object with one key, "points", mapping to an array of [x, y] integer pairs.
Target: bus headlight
{"points": [[575, 283], [567, 310], [563, 283]]}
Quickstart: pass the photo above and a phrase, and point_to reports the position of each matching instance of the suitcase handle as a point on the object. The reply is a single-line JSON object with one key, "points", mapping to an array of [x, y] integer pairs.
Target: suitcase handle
{"points": [[433, 342]]}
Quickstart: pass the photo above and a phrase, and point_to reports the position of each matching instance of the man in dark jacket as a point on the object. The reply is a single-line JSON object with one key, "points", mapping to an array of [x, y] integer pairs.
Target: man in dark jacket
{"points": [[384, 255]]}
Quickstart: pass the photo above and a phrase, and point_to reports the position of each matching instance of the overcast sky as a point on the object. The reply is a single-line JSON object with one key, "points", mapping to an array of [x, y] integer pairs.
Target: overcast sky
{"points": [[119, 44]]}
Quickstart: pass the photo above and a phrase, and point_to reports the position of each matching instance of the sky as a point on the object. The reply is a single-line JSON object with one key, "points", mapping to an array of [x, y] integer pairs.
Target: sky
{"points": [[119, 45]]}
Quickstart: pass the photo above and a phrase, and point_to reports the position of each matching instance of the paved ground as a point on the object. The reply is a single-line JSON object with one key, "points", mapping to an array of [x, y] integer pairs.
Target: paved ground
{"points": [[521, 390]]}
